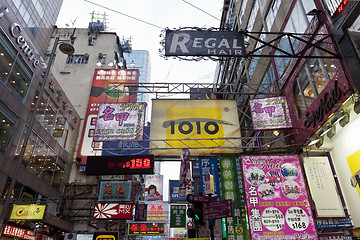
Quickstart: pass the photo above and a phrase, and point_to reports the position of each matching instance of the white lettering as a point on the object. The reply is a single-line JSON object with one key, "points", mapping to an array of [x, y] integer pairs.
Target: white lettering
{"points": [[224, 43], [207, 43], [179, 40], [235, 41], [238, 52], [211, 51], [197, 42], [222, 52]]}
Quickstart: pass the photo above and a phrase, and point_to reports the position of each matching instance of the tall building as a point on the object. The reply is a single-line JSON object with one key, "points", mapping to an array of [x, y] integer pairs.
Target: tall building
{"points": [[39, 169], [306, 52]]}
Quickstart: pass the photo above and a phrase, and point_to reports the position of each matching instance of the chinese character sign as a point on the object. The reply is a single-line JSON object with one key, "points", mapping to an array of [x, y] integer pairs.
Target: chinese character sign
{"points": [[178, 216], [277, 200], [120, 121], [270, 113], [209, 166], [115, 191], [146, 229], [157, 210]]}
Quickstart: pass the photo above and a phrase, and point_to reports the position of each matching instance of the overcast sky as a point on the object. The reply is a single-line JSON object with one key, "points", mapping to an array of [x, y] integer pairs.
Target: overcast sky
{"points": [[158, 15]]}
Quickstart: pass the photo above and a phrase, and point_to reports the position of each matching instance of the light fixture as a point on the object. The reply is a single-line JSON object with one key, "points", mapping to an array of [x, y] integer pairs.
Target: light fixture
{"points": [[332, 132], [98, 64], [276, 133], [67, 48], [120, 64], [313, 141], [324, 130], [314, 12], [345, 120], [340, 115], [357, 106], [132, 64], [319, 143], [110, 64]]}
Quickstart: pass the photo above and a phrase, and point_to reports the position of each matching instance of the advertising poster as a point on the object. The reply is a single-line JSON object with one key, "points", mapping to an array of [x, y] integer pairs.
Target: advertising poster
{"points": [[232, 187], [115, 191], [120, 121], [270, 113], [185, 123], [278, 204], [209, 166], [174, 192], [113, 211], [153, 188], [108, 86], [323, 187], [146, 229], [185, 186]]}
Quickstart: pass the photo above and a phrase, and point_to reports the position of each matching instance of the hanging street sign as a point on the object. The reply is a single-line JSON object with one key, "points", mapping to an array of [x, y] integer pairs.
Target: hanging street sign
{"points": [[204, 43], [219, 209]]}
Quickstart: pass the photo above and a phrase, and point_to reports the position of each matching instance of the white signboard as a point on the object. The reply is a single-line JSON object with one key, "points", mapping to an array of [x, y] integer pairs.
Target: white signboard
{"points": [[322, 187]]}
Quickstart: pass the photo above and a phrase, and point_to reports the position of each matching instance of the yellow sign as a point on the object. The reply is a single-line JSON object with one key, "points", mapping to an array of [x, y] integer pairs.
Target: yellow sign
{"points": [[105, 237], [204, 126], [28, 212]]}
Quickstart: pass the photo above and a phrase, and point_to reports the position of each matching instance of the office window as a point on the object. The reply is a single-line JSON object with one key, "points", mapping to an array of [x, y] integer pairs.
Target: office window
{"points": [[14, 72], [7, 125], [77, 59]]}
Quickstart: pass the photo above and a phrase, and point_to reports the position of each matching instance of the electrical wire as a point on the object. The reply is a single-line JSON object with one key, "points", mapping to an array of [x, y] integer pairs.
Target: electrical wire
{"points": [[137, 19], [201, 10]]}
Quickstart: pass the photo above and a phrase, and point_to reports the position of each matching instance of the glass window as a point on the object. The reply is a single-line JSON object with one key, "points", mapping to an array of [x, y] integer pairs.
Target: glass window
{"points": [[7, 124], [314, 75]]}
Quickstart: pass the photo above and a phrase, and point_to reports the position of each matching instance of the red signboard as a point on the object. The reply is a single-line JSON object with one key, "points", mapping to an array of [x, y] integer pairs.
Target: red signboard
{"points": [[199, 198], [113, 211], [219, 209], [146, 228], [108, 86], [18, 232]]}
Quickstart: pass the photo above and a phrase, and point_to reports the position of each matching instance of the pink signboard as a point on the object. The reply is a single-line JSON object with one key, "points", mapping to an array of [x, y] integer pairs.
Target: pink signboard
{"points": [[277, 200], [113, 211], [270, 113], [120, 121]]}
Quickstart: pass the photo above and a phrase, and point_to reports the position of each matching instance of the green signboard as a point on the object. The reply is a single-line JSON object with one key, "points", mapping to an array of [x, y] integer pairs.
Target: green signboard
{"points": [[232, 187], [178, 216]]}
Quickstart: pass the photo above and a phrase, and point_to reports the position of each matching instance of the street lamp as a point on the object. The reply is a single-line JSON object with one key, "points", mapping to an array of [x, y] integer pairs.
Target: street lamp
{"points": [[66, 48]]}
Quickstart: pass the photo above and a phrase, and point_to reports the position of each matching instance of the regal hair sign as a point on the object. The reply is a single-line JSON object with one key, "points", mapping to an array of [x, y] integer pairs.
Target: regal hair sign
{"points": [[204, 43]]}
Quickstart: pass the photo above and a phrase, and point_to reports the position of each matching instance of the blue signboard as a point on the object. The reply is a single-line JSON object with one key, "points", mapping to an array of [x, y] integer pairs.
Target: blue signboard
{"points": [[174, 192], [115, 191], [127, 147], [334, 223], [206, 166]]}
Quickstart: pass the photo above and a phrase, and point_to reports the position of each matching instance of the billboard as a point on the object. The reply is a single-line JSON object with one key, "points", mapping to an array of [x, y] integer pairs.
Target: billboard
{"points": [[270, 113], [174, 192], [113, 211], [194, 123], [120, 121], [277, 200], [119, 165], [153, 188], [17, 232], [108, 86], [28, 212], [157, 210], [210, 166], [115, 191], [204, 43]]}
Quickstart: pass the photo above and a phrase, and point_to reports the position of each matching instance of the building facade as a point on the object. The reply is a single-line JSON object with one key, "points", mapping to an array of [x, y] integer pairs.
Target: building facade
{"points": [[45, 165], [320, 86]]}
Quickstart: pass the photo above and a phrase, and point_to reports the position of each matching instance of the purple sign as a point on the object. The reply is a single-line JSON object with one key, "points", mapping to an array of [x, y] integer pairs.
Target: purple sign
{"points": [[270, 113], [219, 209], [278, 204], [120, 121]]}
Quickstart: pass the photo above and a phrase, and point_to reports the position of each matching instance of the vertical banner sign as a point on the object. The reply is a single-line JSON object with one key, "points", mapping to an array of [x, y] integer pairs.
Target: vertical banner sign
{"points": [[232, 187], [108, 86], [120, 121], [323, 187], [174, 192], [270, 113], [277, 201], [178, 216], [185, 174], [153, 187], [209, 166], [140, 212]]}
